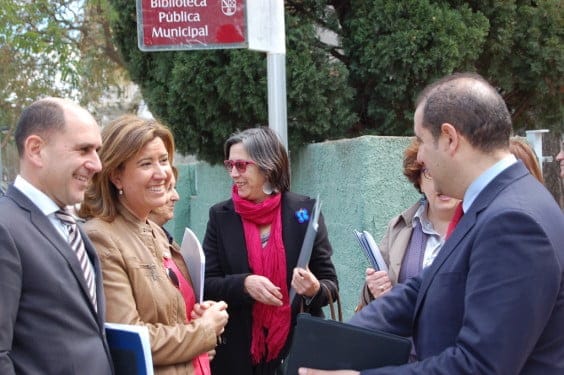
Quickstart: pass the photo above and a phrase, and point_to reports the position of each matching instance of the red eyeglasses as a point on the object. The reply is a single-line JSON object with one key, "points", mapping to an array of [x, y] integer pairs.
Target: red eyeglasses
{"points": [[241, 165]]}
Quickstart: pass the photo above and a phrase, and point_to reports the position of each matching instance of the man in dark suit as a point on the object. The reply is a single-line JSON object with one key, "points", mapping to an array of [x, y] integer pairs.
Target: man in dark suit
{"points": [[51, 322], [493, 300]]}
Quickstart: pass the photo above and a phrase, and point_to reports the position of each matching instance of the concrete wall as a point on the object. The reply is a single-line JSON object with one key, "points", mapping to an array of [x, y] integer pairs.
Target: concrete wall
{"points": [[359, 182]]}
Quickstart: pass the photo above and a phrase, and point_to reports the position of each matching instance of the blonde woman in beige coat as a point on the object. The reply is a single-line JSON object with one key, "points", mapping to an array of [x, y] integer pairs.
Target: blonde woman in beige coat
{"points": [[145, 279]]}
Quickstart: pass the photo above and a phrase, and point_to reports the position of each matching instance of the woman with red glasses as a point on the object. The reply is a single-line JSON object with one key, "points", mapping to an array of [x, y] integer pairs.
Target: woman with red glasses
{"points": [[252, 244]]}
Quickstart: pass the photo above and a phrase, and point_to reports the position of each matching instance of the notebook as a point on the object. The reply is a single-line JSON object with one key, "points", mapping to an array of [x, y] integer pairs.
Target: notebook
{"points": [[130, 348], [331, 345]]}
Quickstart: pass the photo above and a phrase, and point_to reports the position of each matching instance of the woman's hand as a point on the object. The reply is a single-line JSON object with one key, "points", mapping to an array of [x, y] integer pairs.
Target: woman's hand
{"points": [[199, 309], [211, 354], [305, 283], [214, 313], [378, 282], [262, 290]]}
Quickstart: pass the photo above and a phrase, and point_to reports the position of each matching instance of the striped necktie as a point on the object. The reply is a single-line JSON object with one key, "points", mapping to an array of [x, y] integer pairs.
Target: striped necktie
{"points": [[76, 243]]}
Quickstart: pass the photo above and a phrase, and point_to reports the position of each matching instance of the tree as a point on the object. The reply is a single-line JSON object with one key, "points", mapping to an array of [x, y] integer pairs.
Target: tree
{"points": [[204, 96], [55, 48], [388, 51]]}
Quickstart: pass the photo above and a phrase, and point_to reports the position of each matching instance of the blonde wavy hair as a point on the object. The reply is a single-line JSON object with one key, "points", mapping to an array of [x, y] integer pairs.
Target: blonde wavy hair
{"points": [[122, 139]]}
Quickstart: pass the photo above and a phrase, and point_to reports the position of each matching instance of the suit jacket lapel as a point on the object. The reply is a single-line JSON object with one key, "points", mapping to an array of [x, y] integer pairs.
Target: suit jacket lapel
{"points": [[466, 223], [62, 247]]}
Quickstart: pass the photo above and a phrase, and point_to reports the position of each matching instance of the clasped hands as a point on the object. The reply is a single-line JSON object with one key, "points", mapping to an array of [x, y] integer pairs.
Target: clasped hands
{"points": [[215, 311], [261, 289]]}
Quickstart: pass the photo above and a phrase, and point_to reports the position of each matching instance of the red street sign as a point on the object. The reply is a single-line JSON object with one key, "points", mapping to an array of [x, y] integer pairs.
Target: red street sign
{"points": [[191, 24]]}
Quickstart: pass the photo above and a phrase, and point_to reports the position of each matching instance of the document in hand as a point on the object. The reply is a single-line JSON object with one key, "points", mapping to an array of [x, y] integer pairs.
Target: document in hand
{"points": [[195, 259], [130, 348], [331, 345], [371, 250], [309, 238]]}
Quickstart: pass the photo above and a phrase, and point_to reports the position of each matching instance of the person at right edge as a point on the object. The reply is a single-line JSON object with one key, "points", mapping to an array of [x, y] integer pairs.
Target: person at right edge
{"points": [[252, 244], [492, 302]]}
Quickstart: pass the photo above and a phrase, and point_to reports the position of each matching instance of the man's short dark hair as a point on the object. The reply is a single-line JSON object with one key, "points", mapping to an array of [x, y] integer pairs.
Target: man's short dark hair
{"points": [[42, 118], [472, 105]]}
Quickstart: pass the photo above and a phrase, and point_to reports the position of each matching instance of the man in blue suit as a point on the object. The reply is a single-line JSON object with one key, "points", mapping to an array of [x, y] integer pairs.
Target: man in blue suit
{"points": [[493, 300], [51, 318]]}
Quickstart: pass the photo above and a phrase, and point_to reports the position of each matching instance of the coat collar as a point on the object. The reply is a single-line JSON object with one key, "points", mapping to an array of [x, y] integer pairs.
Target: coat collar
{"points": [[62, 247]]}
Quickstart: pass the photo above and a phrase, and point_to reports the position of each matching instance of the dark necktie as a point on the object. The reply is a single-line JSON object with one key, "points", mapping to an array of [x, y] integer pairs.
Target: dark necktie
{"points": [[76, 243], [455, 219]]}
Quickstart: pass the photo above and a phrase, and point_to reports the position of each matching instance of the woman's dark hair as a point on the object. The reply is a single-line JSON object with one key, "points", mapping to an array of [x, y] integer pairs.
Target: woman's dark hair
{"points": [[265, 149], [43, 118]]}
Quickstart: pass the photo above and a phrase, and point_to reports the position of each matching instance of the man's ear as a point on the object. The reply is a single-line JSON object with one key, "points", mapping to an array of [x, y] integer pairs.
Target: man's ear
{"points": [[33, 147], [451, 136]]}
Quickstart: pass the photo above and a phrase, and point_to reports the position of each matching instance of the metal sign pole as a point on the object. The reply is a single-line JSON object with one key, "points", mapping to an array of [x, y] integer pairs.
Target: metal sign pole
{"points": [[267, 33], [277, 114]]}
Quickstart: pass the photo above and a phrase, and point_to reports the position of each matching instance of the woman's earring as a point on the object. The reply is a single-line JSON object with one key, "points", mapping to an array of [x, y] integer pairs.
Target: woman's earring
{"points": [[120, 192], [267, 188]]}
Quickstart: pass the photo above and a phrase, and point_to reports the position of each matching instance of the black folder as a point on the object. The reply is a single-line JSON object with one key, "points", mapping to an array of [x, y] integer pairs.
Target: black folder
{"points": [[331, 345], [309, 239]]}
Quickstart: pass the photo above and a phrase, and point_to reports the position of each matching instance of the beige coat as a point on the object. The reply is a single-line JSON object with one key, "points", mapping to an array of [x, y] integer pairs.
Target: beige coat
{"points": [[393, 247], [138, 290]]}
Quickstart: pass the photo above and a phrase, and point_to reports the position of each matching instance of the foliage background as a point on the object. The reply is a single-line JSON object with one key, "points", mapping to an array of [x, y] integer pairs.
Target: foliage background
{"points": [[387, 51], [360, 80]]}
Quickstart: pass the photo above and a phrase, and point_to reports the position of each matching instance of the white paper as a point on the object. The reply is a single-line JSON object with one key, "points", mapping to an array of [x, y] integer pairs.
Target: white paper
{"points": [[375, 251], [195, 259], [371, 250]]}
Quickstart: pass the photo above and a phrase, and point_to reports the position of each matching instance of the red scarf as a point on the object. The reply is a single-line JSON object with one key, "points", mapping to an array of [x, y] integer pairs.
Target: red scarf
{"points": [[271, 324], [201, 362]]}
